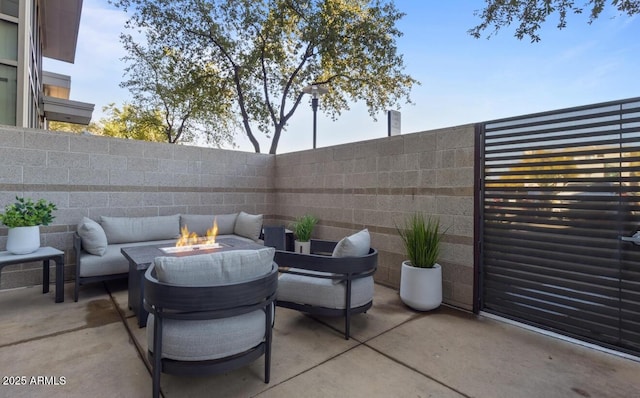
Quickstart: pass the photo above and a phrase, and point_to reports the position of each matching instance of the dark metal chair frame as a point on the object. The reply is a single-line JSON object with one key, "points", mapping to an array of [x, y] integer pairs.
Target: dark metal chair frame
{"points": [[274, 236], [345, 269], [166, 301]]}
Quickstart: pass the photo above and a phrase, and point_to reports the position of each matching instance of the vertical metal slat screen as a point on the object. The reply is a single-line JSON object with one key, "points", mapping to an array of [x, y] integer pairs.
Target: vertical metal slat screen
{"points": [[558, 191]]}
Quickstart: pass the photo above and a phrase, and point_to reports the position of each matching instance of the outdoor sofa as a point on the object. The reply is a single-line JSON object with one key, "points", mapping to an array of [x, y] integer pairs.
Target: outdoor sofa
{"points": [[97, 244]]}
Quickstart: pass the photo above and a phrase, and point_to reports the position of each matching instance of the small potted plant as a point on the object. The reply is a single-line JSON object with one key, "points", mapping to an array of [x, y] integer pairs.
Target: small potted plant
{"points": [[24, 218], [421, 275], [302, 229]]}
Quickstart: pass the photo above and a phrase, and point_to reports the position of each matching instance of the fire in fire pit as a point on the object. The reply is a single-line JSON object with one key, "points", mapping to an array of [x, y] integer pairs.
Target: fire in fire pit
{"points": [[190, 241]]}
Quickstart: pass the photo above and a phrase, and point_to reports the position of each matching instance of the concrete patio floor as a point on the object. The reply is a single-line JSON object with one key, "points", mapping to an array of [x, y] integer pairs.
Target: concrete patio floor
{"points": [[93, 348]]}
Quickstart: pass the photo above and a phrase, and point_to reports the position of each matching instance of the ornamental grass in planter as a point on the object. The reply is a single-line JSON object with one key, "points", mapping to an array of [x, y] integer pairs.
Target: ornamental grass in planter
{"points": [[302, 229], [421, 275]]}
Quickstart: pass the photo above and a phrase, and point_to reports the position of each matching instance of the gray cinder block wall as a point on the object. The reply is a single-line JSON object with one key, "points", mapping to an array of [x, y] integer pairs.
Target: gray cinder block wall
{"points": [[376, 184], [372, 184], [90, 176]]}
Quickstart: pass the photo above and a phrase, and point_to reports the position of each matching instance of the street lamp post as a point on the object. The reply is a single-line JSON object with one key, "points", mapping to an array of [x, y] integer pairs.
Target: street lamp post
{"points": [[316, 90]]}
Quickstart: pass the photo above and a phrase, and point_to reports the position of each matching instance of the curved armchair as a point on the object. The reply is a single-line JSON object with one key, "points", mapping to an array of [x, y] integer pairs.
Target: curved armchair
{"points": [[323, 285], [209, 328]]}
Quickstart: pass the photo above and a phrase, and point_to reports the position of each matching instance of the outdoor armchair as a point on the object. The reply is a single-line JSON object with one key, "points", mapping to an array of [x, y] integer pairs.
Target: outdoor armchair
{"points": [[210, 313], [325, 285]]}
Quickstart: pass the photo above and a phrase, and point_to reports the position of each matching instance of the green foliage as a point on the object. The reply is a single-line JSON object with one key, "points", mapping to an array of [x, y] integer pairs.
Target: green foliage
{"points": [[133, 122], [74, 128], [421, 237], [533, 13], [252, 58], [26, 213], [179, 89], [303, 227], [129, 121]]}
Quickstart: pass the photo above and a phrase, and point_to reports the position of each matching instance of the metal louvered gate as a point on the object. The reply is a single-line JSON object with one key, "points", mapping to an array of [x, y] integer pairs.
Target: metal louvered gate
{"points": [[558, 191]]}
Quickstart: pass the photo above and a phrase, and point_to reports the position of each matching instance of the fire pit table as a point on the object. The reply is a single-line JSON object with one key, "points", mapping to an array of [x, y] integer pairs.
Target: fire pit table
{"points": [[141, 257]]}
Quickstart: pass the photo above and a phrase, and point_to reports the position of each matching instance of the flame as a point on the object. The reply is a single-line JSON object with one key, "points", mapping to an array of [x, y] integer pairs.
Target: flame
{"points": [[187, 238], [191, 238], [212, 232]]}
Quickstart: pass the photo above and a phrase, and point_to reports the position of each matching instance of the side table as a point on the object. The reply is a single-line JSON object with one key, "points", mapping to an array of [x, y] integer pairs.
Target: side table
{"points": [[45, 254]]}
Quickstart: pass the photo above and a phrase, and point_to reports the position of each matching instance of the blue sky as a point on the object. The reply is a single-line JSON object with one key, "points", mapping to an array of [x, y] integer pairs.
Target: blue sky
{"points": [[463, 80]]}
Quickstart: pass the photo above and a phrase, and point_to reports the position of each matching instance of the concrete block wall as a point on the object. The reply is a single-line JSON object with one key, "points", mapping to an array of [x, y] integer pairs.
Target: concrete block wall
{"points": [[376, 184], [372, 184], [90, 176]]}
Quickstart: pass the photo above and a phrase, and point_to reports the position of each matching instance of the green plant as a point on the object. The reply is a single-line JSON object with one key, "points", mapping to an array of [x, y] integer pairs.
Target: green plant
{"points": [[421, 237], [26, 213], [303, 226]]}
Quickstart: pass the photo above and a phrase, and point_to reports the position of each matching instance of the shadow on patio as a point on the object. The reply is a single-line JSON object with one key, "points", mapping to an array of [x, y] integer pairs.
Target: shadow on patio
{"points": [[92, 348]]}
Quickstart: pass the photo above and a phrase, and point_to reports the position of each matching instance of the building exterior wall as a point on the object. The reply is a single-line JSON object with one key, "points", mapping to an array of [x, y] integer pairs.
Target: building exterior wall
{"points": [[372, 184], [21, 65]]}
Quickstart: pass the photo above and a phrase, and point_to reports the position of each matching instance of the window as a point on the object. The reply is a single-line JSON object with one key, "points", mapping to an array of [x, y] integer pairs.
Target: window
{"points": [[8, 94], [8, 40], [9, 7]]}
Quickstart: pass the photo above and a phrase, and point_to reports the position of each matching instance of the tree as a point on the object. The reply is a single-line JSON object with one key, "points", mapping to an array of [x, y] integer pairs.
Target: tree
{"points": [[532, 13], [133, 123], [180, 88], [267, 51], [92, 127]]}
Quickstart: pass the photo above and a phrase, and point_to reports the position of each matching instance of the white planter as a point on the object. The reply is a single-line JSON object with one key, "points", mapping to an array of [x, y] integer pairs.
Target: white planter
{"points": [[303, 247], [23, 240], [421, 288]]}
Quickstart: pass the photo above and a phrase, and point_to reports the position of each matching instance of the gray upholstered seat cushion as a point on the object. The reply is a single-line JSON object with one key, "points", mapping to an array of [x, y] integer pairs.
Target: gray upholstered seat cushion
{"points": [[240, 238], [112, 261], [321, 292], [209, 339]]}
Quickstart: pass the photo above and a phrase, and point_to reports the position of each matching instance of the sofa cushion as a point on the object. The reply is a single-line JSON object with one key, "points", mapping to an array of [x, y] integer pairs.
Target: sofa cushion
{"points": [[221, 238], [140, 229], [248, 225], [214, 268], [112, 261], [226, 223], [200, 223], [321, 292], [94, 240], [199, 340]]}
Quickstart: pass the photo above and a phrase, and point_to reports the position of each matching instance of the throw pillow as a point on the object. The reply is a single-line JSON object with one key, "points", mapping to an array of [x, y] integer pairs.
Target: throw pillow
{"points": [[94, 240], [356, 245], [248, 225]]}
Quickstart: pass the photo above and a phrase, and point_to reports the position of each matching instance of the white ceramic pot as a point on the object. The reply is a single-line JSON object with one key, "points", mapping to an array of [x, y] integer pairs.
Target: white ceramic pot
{"points": [[303, 247], [23, 240], [421, 288]]}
